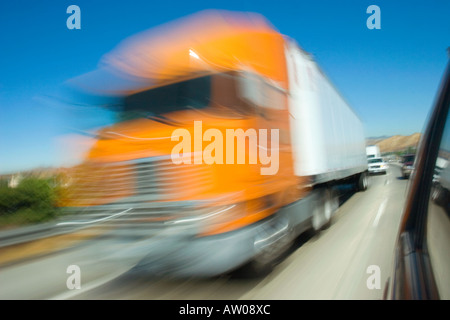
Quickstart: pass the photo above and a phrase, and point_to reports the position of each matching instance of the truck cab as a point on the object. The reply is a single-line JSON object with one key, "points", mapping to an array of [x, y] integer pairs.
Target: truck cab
{"points": [[164, 173]]}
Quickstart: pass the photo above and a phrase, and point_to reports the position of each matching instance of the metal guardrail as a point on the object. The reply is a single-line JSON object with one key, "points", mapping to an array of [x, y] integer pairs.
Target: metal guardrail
{"points": [[35, 232], [64, 225]]}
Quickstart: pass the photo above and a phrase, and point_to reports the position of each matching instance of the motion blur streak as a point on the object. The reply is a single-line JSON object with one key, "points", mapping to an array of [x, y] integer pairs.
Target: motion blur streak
{"points": [[231, 72]]}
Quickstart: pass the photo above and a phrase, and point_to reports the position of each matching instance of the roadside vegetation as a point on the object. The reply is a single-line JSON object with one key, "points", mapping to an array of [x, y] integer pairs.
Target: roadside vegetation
{"points": [[32, 200]]}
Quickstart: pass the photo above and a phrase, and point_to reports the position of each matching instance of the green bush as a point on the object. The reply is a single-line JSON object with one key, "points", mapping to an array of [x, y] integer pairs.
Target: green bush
{"points": [[33, 200]]}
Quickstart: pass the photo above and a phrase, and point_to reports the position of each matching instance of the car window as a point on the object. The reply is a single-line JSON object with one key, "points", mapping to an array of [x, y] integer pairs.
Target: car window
{"points": [[438, 217]]}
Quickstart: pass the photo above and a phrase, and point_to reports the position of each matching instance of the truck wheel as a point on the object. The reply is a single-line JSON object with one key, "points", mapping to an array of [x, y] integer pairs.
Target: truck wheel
{"points": [[363, 182], [324, 209], [272, 249], [331, 206]]}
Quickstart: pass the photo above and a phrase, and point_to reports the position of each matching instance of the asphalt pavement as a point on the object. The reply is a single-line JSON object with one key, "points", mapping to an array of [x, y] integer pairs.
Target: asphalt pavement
{"points": [[352, 259]]}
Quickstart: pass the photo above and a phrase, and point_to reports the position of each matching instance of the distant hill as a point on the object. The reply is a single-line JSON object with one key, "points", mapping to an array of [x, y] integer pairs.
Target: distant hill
{"points": [[374, 140], [395, 143]]}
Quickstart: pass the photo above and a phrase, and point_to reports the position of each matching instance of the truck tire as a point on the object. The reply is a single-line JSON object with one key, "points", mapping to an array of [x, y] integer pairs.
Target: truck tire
{"points": [[331, 206], [270, 255], [324, 209], [362, 182]]}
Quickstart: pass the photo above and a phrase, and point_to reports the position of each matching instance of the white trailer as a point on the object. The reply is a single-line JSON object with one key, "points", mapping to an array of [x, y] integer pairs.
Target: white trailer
{"points": [[327, 136], [373, 152]]}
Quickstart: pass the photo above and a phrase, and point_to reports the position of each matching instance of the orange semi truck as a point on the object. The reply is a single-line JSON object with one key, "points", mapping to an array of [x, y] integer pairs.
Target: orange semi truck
{"points": [[228, 144]]}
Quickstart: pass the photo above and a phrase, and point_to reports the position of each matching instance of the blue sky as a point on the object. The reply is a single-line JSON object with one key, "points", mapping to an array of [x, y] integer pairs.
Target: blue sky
{"points": [[389, 76]]}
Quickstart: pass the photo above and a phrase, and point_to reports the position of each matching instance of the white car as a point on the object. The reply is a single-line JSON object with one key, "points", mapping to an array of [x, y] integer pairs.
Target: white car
{"points": [[377, 165]]}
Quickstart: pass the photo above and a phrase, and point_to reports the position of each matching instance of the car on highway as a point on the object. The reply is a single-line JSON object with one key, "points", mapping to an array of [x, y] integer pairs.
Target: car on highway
{"points": [[422, 256], [407, 165], [377, 165]]}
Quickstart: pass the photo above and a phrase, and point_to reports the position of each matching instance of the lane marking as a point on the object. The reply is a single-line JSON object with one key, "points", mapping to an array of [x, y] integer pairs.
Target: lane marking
{"points": [[380, 212], [388, 177]]}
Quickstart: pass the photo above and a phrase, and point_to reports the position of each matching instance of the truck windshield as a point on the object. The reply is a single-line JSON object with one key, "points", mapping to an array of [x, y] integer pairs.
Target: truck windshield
{"points": [[375, 160], [217, 95], [190, 94]]}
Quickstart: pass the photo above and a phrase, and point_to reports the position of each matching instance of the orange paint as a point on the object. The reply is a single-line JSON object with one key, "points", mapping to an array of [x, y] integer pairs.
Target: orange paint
{"points": [[184, 51]]}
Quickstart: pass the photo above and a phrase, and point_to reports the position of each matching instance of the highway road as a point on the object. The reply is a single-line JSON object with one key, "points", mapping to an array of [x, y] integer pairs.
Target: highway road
{"points": [[337, 263]]}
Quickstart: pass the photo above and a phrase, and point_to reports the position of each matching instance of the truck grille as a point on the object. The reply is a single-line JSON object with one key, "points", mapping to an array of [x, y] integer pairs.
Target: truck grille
{"points": [[98, 183], [136, 181], [134, 197]]}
